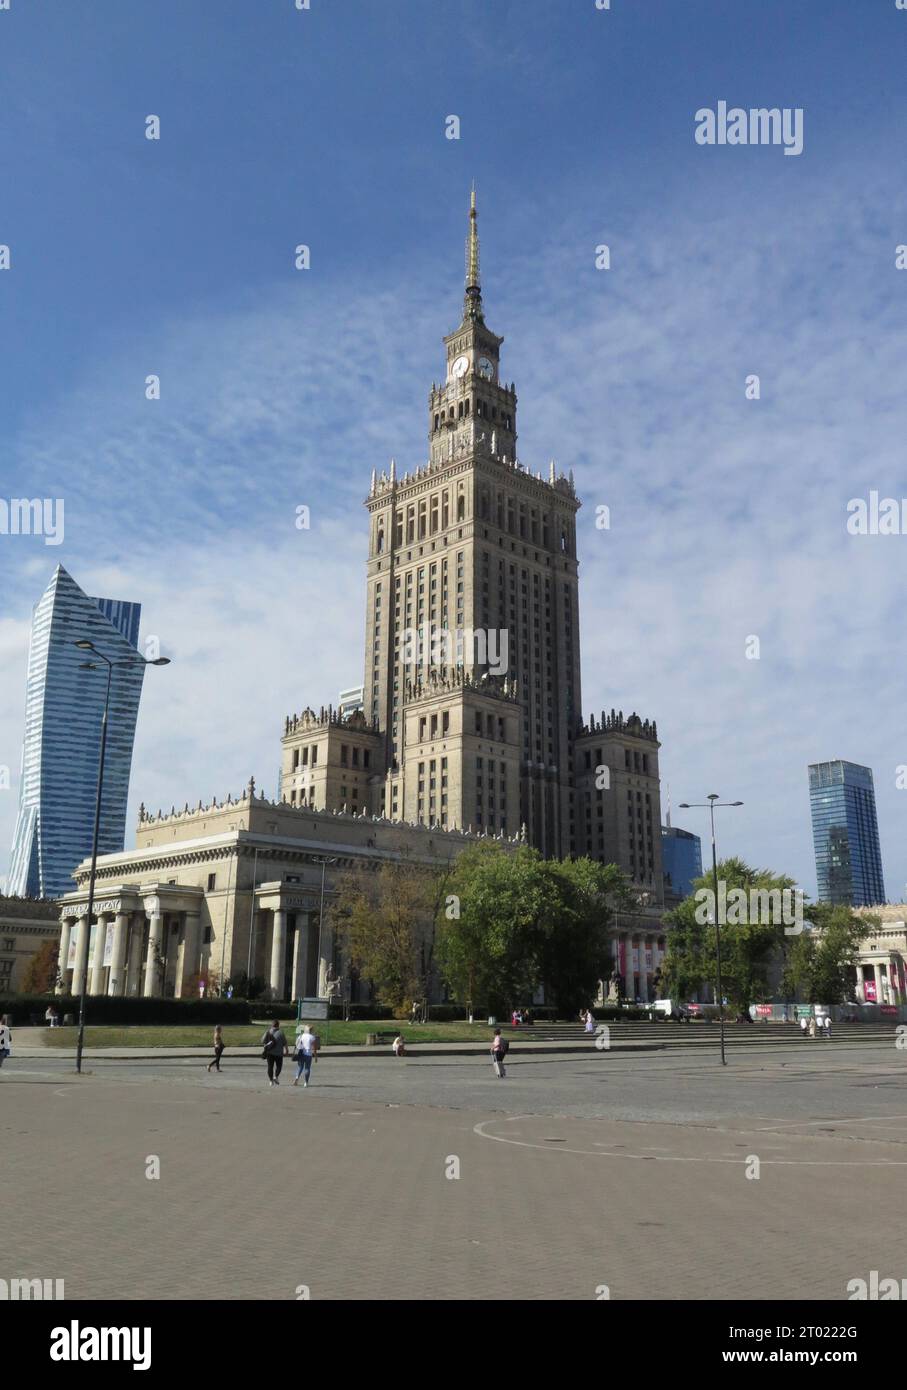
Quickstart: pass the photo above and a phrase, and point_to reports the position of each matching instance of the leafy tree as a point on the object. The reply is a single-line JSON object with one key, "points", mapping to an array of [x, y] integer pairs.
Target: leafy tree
{"points": [[574, 948], [819, 961], [748, 946], [512, 920], [40, 975], [385, 919]]}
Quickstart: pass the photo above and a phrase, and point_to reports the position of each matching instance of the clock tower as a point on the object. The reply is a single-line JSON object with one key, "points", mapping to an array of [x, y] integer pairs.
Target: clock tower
{"points": [[472, 398], [472, 706]]}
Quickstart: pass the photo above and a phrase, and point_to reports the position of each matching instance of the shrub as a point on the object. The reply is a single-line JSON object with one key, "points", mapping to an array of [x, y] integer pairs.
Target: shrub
{"points": [[101, 1009]]}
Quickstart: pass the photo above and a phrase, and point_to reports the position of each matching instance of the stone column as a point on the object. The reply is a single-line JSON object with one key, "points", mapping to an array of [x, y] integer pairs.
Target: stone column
{"points": [[189, 962], [80, 970], [117, 982], [278, 951], [300, 954], [154, 983], [134, 954], [65, 936], [100, 941]]}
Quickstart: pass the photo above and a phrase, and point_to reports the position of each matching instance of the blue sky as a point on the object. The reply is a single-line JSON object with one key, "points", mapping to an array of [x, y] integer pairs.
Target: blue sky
{"points": [[282, 388]]}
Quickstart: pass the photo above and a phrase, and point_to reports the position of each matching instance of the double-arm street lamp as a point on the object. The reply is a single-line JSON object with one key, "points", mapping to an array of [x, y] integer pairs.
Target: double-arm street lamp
{"points": [[84, 645], [711, 804]]}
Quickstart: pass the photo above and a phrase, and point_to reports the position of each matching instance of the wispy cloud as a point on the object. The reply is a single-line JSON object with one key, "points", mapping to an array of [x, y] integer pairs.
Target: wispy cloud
{"points": [[727, 515]]}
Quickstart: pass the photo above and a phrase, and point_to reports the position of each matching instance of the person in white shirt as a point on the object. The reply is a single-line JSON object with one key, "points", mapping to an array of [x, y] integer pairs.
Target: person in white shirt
{"points": [[306, 1049], [398, 1045], [6, 1038]]}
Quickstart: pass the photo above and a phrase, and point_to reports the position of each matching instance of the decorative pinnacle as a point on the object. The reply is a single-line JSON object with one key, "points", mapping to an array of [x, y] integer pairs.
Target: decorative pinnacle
{"points": [[473, 303], [472, 245]]}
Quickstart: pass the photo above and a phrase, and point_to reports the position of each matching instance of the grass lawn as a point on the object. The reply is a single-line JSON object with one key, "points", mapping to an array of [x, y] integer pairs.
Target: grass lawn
{"points": [[249, 1034]]}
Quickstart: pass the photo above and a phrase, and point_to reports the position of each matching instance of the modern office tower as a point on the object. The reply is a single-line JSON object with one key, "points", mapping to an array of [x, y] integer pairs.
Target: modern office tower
{"points": [[681, 855], [64, 706], [472, 712], [845, 834]]}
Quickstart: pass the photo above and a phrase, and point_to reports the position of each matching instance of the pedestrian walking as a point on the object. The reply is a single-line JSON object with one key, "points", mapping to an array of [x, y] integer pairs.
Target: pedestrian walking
{"points": [[498, 1052], [306, 1050], [218, 1048], [274, 1049], [6, 1039]]}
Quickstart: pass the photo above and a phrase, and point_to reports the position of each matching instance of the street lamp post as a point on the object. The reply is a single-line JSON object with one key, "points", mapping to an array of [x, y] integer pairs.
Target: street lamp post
{"points": [[711, 803], [85, 645], [324, 864]]}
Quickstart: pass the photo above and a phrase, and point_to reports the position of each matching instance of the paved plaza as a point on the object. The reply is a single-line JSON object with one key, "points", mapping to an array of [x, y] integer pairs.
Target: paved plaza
{"points": [[575, 1172]]}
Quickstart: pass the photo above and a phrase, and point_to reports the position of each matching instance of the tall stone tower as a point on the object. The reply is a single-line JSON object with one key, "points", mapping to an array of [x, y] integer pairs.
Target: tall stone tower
{"points": [[472, 700], [472, 544]]}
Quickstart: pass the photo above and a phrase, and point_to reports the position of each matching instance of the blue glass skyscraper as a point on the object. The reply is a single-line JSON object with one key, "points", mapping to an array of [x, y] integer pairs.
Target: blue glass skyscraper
{"points": [[845, 834], [681, 860], [63, 710]]}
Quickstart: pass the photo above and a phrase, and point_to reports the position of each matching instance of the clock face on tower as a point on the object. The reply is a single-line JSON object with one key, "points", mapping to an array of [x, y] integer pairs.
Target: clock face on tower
{"points": [[459, 367], [486, 368]]}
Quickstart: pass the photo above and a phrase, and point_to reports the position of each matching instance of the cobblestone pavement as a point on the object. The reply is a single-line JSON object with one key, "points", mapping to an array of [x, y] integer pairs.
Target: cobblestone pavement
{"points": [[574, 1174]]}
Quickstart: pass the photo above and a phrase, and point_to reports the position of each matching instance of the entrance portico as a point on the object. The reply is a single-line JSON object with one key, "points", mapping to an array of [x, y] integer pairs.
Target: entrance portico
{"points": [[144, 941], [288, 947]]}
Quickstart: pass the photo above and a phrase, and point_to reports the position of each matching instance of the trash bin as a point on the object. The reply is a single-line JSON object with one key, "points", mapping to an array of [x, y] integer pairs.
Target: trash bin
{"points": [[492, 1021], [69, 1020], [371, 1039]]}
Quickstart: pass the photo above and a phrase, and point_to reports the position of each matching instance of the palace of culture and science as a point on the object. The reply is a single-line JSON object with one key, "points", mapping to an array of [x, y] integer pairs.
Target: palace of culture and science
{"points": [[469, 724], [471, 712]]}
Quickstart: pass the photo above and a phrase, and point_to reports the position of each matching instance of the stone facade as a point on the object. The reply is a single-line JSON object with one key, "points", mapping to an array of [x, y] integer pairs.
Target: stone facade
{"points": [[881, 963], [25, 925], [472, 692], [233, 886]]}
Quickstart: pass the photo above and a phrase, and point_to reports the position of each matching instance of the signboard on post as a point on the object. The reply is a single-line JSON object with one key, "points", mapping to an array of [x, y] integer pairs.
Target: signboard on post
{"points": [[312, 1008]]}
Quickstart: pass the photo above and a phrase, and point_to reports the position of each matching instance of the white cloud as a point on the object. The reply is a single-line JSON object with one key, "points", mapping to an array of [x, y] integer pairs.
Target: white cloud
{"points": [[727, 515]]}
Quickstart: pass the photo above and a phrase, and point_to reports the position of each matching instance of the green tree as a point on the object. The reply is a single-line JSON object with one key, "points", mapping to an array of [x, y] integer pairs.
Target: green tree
{"points": [[512, 920], [819, 961], [574, 947], [751, 938]]}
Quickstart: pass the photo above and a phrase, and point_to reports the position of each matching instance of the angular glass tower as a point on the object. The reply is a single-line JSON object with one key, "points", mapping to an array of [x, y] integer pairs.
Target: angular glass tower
{"points": [[681, 859], [63, 710], [845, 834]]}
